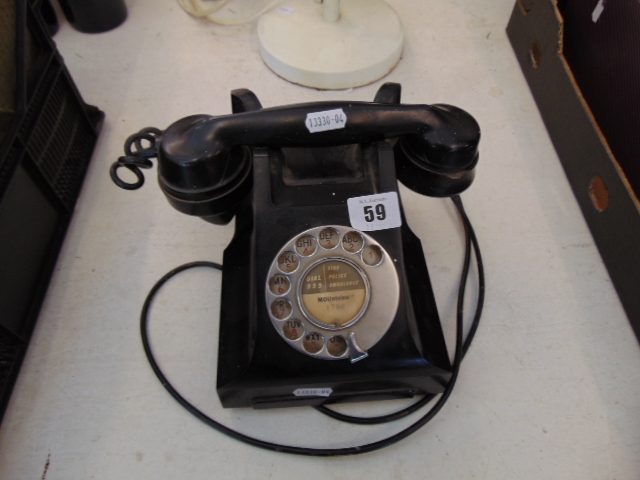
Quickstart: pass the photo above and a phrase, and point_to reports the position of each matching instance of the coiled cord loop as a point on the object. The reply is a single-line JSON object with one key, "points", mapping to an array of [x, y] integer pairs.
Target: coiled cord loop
{"points": [[136, 157]]}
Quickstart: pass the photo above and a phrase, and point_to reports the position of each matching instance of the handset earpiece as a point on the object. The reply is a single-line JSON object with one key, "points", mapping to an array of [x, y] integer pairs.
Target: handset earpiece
{"points": [[210, 189], [441, 161]]}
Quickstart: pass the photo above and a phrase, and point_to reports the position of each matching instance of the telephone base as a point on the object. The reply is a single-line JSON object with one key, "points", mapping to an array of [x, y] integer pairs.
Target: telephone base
{"points": [[285, 401], [247, 393], [256, 366]]}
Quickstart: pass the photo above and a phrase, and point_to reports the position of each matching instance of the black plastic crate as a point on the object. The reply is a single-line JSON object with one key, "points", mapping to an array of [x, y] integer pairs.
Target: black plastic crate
{"points": [[45, 147]]}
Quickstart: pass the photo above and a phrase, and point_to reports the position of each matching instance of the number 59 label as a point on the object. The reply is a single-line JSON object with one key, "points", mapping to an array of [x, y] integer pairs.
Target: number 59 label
{"points": [[375, 212]]}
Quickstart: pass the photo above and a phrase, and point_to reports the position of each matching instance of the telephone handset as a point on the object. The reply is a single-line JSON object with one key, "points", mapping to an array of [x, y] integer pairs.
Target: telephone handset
{"points": [[325, 295]]}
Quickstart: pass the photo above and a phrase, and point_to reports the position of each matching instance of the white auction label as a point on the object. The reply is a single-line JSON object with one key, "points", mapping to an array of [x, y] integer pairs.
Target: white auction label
{"points": [[312, 392], [375, 212], [327, 120]]}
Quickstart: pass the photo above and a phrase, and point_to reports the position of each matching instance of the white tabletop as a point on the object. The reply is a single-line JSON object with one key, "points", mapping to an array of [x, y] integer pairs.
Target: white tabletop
{"points": [[550, 388]]}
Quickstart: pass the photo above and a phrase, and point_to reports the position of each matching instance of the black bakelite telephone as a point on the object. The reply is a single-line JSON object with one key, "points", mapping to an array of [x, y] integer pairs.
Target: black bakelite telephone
{"points": [[325, 296]]}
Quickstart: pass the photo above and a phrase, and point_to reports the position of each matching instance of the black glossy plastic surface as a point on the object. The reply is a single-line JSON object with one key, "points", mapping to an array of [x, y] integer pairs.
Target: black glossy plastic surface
{"points": [[203, 165], [255, 366], [280, 178]]}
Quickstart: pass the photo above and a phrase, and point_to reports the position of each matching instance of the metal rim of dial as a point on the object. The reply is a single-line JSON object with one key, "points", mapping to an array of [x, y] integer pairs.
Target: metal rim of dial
{"points": [[371, 321]]}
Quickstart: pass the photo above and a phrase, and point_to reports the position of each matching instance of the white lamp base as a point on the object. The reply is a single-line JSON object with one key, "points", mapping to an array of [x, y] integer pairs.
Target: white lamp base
{"points": [[362, 46]]}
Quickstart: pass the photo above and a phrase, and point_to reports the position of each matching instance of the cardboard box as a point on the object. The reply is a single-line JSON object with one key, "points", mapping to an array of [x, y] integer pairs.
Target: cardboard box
{"points": [[581, 59]]}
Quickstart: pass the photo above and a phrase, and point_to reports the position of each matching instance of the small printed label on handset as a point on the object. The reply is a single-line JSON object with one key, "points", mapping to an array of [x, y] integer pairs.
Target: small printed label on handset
{"points": [[327, 120], [375, 212], [312, 392]]}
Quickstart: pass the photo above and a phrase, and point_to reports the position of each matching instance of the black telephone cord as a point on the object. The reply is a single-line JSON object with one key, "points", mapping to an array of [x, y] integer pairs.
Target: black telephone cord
{"points": [[460, 350], [135, 159], [470, 238]]}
